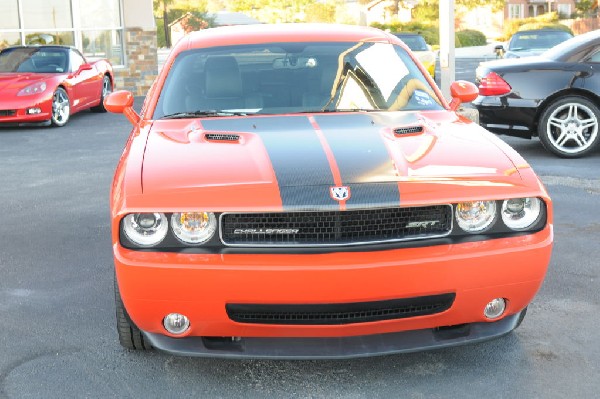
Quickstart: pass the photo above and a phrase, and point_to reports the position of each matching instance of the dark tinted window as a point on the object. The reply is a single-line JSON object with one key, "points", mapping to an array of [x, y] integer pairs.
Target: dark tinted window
{"points": [[595, 57], [414, 42], [537, 40], [33, 59]]}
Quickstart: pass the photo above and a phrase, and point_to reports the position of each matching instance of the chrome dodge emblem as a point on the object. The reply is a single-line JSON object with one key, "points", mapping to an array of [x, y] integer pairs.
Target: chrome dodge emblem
{"points": [[340, 193]]}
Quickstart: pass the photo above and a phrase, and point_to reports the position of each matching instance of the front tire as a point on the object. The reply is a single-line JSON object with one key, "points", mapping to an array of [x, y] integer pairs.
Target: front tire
{"points": [[568, 127], [107, 88], [130, 337], [61, 108]]}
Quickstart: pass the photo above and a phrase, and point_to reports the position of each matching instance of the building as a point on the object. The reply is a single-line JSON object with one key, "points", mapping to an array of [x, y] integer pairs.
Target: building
{"points": [[533, 8], [121, 30]]}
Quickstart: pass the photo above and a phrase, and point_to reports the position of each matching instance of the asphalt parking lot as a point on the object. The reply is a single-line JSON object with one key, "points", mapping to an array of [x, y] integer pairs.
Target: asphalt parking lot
{"points": [[58, 337]]}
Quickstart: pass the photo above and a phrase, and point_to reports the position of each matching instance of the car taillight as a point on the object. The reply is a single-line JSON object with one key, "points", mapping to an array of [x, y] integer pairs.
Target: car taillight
{"points": [[493, 85]]}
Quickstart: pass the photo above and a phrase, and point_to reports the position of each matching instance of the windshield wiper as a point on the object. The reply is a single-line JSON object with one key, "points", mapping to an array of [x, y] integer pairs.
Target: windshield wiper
{"points": [[206, 113]]}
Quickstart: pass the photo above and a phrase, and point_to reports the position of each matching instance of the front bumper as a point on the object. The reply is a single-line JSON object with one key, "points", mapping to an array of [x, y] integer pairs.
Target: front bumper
{"points": [[199, 286], [14, 112], [335, 347]]}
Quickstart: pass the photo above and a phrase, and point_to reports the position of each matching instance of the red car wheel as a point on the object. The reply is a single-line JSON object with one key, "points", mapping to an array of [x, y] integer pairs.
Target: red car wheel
{"points": [[61, 108], [106, 90]]}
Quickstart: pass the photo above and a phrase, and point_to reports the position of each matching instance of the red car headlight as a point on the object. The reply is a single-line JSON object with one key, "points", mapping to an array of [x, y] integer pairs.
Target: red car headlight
{"points": [[32, 89]]}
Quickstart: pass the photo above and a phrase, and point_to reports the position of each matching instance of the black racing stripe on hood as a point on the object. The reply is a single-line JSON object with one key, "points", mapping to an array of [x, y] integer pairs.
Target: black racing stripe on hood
{"points": [[361, 155], [297, 157]]}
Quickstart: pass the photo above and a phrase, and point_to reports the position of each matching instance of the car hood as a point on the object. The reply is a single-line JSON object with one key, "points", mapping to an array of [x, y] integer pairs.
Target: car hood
{"points": [[19, 80], [296, 159]]}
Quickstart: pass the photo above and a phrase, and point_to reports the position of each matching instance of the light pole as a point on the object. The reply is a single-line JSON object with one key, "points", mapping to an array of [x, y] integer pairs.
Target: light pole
{"points": [[447, 43]]}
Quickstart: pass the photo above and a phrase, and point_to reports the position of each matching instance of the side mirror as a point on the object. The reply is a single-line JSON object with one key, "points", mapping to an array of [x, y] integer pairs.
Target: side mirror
{"points": [[499, 49], [121, 102], [462, 92], [85, 67]]}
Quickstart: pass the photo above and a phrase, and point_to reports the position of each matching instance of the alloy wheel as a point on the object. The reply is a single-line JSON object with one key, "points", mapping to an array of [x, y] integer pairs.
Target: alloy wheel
{"points": [[60, 107], [572, 128]]}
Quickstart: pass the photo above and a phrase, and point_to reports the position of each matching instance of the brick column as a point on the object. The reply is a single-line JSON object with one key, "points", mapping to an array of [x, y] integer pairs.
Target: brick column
{"points": [[141, 62]]}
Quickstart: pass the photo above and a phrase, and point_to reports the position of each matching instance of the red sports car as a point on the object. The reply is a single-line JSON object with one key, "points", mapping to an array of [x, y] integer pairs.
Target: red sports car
{"points": [[47, 84], [305, 191]]}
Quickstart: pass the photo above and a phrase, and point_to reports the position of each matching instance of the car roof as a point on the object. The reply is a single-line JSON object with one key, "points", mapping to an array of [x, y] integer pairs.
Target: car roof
{"points": [[277, 33]]}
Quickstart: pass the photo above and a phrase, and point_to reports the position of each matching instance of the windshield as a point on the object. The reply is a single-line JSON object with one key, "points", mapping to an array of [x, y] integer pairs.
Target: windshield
{"points": [[34, 59], [414, 42], [280, 78], [537, 40]]}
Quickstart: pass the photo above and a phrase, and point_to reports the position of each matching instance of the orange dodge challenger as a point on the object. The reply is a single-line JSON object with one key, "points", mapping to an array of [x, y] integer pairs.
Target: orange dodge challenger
{"points": [[305, 191]]}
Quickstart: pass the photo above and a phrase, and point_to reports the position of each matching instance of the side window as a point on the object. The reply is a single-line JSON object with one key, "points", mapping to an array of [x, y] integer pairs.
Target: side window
{"points": [[595, 57], [76, 61]]}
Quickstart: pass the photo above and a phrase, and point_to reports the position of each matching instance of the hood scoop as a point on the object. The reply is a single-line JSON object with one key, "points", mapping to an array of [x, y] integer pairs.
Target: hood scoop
{"points": [[408, 130], [222, 137]]}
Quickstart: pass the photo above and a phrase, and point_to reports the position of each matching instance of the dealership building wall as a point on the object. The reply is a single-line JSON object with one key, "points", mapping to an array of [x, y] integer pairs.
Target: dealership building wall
{"points": [[121, 30]]}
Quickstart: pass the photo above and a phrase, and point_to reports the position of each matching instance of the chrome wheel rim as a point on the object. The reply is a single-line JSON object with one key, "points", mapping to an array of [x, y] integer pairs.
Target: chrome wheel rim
{"points": [[106, 89], [572, 128], [60, 107]]}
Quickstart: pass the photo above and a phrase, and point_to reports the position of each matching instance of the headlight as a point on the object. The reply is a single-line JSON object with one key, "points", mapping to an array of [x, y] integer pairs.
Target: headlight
{"points": [[35, 88], [194, 228], [146, 229], [521, 213], [475, 216]]}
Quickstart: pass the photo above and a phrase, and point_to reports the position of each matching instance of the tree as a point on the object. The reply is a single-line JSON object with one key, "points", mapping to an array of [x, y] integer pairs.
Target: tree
{"points": [[429, 9], [586, 7], [162, 6], [167, 11], [320, 12], [273, 11]]}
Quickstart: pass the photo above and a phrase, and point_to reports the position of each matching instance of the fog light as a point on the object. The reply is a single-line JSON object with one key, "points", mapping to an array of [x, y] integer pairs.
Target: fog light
{"points": [[176, 323], [495, 308], [34, 111]]}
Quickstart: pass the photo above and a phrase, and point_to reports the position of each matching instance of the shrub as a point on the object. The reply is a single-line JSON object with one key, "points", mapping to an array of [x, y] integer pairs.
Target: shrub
{"points": [[470, 37], [544, 25], [431, 33], [432, 37]]}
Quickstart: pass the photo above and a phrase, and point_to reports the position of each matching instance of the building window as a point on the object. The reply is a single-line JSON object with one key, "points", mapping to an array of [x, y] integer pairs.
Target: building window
{"points": [[95, 27], [47, 14], [564, 10], [515, 11], [10, 15]]}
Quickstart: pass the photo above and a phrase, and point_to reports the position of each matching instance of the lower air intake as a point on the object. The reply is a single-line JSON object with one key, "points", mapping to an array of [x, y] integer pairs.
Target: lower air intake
{"points": [[340, 313]]}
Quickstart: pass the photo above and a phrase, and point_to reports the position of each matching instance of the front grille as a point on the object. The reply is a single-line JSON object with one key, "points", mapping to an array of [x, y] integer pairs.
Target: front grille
{"points": [[7, 112], [340, 313], [323, 228]]}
